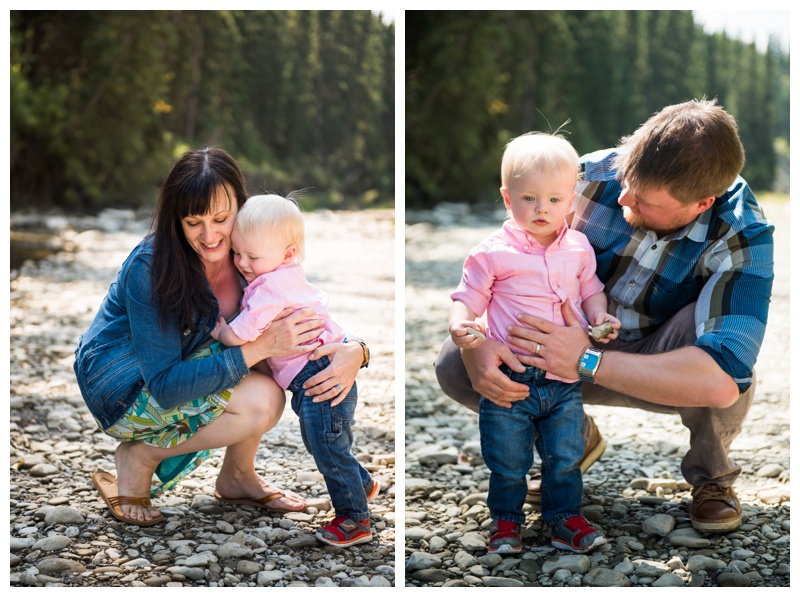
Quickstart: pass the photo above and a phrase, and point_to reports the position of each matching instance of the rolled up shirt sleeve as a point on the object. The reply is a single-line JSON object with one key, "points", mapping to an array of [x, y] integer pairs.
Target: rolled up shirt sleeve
{"points": [[731, 311]]}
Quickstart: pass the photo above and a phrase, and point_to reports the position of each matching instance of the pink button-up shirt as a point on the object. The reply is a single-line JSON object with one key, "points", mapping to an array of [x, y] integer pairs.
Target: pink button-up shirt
{"points": [[511, 273], [268, 295]]}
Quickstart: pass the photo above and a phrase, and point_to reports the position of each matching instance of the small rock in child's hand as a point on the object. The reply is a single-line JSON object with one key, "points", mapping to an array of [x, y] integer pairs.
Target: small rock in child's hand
{"points": [[476, 333], [601, 331]]}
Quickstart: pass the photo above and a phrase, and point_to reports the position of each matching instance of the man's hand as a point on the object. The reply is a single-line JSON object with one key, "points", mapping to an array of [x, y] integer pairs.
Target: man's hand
{"points": [[560, 347], [483, 364]]}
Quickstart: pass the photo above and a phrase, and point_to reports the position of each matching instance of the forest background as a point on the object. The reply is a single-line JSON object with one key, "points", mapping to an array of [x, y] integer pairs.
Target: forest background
{"points": [[476, 79], [102, 102]]}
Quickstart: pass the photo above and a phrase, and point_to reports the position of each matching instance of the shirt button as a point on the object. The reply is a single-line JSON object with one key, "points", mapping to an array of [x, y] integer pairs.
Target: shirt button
{"points": [[527, 247], [654, 247], [632, 283]]}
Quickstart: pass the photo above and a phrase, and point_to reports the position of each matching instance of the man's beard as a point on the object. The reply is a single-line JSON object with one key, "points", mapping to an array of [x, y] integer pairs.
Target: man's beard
{"points": [[637, 221]]}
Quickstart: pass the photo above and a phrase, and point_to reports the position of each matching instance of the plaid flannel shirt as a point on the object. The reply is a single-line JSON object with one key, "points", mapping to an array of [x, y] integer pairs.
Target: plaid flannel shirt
{"points": [[722, 261]]}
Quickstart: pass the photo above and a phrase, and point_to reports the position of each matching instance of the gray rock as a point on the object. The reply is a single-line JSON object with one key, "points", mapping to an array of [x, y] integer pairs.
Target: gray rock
{"points": [[200, 560], [60, 566], [668, 580], [660, 525], [419, 560], [499, 581], [53, 543], [302, 541], [266, 577], [432, 575], [189, 572], [63, 515], [733, 579], [43, 470], [472, 541], [20, 543], [437, 544], [603, 577], [465, 560], [688, 537], [248, 568], [697, 563], [379, 581], [574, 563], [770, 470], [234, 551], [416, 533]]}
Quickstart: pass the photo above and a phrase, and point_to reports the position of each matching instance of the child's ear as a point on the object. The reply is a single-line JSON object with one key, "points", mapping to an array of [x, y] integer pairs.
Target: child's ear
{"points": [[288, 256], [506, 200]]}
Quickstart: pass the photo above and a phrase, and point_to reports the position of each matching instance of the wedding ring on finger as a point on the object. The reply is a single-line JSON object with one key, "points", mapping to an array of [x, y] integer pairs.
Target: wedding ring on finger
{"points": [[538, 348], [338, 388]]}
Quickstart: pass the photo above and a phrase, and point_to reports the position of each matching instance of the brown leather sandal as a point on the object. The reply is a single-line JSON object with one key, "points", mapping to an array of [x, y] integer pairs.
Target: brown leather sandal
{"points": [[106, 484]]}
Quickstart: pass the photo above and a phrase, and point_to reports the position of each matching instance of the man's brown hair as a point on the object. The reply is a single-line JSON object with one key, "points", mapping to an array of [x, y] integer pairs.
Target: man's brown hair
{"points": [[691, 149]]}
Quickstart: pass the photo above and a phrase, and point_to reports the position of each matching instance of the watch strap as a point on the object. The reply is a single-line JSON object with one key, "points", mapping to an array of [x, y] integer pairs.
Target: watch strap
{"points": [[364, 348]]}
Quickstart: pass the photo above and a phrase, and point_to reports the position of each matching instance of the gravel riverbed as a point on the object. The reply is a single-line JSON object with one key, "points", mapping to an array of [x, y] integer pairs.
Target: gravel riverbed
{"points": [[61, 533], [635, 492]]}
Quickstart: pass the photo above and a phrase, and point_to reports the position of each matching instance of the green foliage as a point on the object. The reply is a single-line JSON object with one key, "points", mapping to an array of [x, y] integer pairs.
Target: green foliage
{"points": [[103, 101], [476, 79]]}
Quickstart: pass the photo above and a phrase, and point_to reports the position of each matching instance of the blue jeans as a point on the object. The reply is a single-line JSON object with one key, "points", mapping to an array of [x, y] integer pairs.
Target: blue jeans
{"points": [[328, 436], [553, 415]]}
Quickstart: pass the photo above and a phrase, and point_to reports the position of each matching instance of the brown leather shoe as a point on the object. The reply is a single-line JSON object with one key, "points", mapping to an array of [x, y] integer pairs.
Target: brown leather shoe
{"points": [[594, 443], [594, 446], [715, 509]]}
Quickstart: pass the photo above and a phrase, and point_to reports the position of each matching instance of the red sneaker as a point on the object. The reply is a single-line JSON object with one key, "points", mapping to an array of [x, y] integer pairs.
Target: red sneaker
{"points": [[576, 534], [506, 537], [345, 531]]}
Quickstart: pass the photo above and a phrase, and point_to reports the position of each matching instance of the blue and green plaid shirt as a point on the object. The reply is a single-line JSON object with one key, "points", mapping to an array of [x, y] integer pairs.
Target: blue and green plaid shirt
{"points": [[722, 262]]}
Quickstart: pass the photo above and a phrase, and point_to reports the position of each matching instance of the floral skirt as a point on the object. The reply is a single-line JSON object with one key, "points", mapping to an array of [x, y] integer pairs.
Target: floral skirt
{"points": [[147, 422]]}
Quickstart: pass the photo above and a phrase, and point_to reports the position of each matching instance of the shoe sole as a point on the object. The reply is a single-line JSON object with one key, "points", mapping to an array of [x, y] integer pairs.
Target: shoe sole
{"points": [[722, 526], [375, 489], [569, 547], [506, 549], [363, 539]]}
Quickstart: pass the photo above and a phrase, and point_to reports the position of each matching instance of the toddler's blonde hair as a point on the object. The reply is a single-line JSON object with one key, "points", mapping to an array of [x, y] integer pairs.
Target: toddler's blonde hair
{"points": [[266, 215], [546, 152]]}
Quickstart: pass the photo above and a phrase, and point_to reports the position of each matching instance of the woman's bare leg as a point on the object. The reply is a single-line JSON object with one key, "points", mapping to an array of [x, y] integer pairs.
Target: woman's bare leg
{"points": [[255, 407]]}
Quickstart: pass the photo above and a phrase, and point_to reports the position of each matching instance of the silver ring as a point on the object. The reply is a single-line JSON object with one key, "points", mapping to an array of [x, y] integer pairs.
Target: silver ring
{"points": [[538, 348], [338, 387]]}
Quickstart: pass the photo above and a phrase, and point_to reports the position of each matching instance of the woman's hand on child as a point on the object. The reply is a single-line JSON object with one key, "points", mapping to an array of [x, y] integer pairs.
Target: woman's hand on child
{"points": [[221, 323], [334, 382], [290, 333], [467, 334]]}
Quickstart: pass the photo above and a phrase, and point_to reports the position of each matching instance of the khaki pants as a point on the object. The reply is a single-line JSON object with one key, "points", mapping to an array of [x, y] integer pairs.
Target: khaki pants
{"points": [[712, 429]]}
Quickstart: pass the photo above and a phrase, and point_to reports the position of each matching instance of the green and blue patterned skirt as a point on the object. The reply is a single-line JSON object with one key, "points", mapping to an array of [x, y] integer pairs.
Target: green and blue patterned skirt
{"points": [[166, 428]]}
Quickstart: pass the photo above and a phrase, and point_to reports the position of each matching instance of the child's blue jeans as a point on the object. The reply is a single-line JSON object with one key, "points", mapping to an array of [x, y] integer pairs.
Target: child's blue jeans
{"points": [[328, 436], [553, 415]]}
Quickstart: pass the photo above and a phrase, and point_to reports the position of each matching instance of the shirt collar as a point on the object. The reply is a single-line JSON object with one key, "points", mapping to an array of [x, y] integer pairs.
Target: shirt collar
{"points": [[696, 230], [517, 237]]}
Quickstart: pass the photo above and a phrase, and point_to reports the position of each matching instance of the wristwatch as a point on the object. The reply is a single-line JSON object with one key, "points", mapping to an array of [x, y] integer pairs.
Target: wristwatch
{"points": [[364, 347], [589, 364]]}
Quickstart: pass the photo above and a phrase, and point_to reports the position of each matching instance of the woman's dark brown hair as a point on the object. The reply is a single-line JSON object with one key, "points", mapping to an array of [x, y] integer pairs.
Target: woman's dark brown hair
{"points": [[178, 277]]}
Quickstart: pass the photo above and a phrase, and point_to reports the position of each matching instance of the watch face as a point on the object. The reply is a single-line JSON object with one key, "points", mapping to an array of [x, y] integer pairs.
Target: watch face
{"points": [[589, 361]]}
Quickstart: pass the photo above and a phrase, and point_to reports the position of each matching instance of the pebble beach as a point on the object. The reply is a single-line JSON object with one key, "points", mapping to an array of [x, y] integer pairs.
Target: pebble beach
{"points": [[635, 493], [61, 533]]}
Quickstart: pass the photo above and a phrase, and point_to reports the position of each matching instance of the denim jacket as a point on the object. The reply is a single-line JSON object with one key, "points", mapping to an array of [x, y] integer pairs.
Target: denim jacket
{"points": [[126, 350]]}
